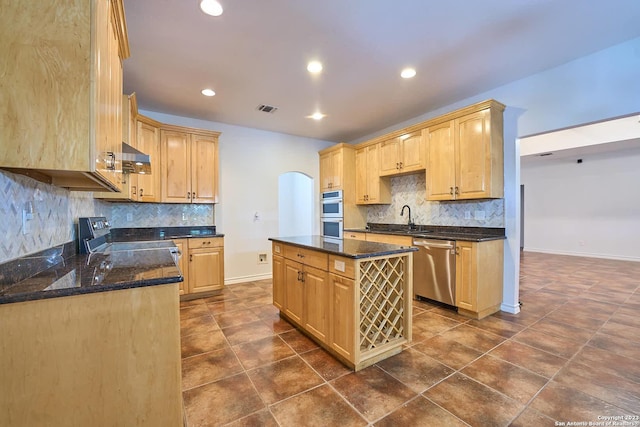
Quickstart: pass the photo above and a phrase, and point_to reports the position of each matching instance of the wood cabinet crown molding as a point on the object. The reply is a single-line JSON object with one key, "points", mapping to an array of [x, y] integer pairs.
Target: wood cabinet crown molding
{"points": [[474, 108]]}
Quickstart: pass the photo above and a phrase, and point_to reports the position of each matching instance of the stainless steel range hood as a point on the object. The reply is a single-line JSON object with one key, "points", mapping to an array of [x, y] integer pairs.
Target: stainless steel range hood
{"points": [[134, 161]]}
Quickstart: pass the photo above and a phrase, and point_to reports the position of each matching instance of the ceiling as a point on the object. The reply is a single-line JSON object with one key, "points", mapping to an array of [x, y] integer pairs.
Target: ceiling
{"points": [[609, 136], [257, 53]]}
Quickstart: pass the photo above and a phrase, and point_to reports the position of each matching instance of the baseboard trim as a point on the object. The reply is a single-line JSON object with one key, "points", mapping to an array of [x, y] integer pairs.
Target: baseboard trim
{"points": [[584, 254], [250, 278], [513, 309]]}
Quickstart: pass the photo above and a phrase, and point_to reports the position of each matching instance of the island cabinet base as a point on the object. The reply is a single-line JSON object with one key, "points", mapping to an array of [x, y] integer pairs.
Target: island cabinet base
{"points": [[358, 309], [100, 359]]}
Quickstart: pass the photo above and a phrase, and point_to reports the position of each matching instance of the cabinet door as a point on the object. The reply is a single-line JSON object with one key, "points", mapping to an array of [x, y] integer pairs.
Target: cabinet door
{"points": [[337, 161], [205, 269], [412, 152], [389, 157], [294, 290], [149, 143], [183, 246], [441, 162], [278, 282], [362, 176], [342, 318], [175, 167], [473, 156], [373, 175], [466, 284], [326, 171], [316, 304], [204, 169]]}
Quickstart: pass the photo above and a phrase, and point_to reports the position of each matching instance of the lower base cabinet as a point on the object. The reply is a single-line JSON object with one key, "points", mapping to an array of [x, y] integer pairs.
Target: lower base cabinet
{"points": [[202, 265], [100, 359], [479, 277], [321, 294]]}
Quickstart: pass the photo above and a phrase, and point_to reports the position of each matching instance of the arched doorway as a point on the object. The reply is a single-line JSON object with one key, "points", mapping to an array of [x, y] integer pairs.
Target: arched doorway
{"points": [[295, 204]]}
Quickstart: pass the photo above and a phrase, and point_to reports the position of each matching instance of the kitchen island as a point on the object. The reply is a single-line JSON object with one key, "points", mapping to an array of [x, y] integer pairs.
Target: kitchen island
{"points": [[90, 339], [353, 298]]}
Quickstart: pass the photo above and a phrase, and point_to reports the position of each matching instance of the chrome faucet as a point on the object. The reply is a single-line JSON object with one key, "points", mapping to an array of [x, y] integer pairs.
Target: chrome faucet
{"points": [[410, 222]]}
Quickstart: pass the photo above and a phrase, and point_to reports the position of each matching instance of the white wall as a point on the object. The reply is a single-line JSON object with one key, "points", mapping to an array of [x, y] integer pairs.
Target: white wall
{"points": [[595, 87], [251, 161], [296, 202], [588, 209]]}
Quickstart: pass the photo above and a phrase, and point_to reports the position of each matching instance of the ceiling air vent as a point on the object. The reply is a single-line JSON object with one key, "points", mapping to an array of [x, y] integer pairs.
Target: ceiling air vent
{"points": [[266, 108]]}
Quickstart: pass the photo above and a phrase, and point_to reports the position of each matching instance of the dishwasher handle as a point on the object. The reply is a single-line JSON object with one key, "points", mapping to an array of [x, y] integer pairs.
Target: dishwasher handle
{"points": [[433, 245]]}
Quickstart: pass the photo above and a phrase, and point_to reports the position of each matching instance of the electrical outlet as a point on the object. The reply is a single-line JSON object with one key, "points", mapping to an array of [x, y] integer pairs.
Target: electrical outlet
{"points": [[467, 214], [129, 217], [262, 259], [479, 215], [582, 243], [184, 216]]}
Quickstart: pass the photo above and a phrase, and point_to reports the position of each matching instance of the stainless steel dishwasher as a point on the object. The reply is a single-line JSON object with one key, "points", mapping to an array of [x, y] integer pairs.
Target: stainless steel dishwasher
{"points": [[434, 270]]}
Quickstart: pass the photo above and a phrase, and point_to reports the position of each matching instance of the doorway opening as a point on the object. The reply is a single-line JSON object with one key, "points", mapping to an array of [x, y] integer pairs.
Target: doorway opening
{"points": [[295, 204]]}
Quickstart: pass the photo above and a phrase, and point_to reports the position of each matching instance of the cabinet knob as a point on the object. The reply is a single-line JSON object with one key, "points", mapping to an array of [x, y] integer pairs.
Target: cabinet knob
{"points": [[191, 257], [188, 195], [451, 190], [141, 190], [400, 165], [457, 190], [193, 195]]}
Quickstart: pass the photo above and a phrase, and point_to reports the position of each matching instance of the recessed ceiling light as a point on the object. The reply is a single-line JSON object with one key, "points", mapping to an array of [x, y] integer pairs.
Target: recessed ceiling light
{"points": [[211, 7], [314, 67], [317, 116], [208, 92], [407, 73]]}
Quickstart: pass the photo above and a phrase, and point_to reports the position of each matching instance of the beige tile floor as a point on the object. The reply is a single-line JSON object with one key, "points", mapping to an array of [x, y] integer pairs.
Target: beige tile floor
{"points": [[572, 354]]}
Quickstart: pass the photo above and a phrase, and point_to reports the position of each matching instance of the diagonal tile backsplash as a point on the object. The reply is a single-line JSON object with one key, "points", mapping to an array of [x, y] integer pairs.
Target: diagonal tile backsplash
{"points": [[411, 190]]}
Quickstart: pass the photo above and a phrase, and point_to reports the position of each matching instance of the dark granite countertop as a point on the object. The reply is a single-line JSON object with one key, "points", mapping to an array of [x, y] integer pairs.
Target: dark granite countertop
{"points": [[346, 247], [438, 232], [54, 273], [163, 233]]}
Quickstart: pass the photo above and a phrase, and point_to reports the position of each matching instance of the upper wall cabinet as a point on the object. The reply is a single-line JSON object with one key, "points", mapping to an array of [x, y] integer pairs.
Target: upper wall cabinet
{"points": [[148, 141], [189, 165], [331, 169], [370, 188], [60, 115], [465, 157], [129, 181], [402, 155]]}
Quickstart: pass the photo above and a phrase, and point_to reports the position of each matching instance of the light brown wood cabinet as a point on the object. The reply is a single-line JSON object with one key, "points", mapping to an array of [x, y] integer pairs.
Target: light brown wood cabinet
{"points": [[201, 264], [479, 277], [278, 281], [370, 188], [148, 141], [465, 157], [403, 154], [129, 181], [332, 168], [324, 295], [189, 171], [302, 287], [61, 106], [355, 235], [121, 348], [342, 308], [183, 248], [206, 264]]}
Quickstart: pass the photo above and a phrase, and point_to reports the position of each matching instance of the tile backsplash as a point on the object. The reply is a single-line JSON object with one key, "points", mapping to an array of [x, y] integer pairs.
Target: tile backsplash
{"points": [[411, 190], [56, 212]]}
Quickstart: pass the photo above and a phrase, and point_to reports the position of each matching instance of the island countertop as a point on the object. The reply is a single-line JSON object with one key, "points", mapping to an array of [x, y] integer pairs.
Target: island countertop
{"points": [[348, 248]]}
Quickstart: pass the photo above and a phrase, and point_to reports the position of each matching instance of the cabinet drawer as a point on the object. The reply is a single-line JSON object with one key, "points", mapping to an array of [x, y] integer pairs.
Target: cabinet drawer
{"points": [[342, 266], [306, 256], [393, 239], [356, 235], [211, 242]]}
